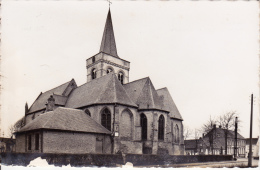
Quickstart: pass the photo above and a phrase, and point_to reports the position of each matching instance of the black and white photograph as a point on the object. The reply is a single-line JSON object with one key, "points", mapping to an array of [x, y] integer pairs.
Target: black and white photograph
{"points": [[139, 84]]}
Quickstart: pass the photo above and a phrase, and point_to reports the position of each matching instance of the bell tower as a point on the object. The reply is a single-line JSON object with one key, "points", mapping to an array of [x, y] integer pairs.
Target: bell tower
{"points": [[107, 60]]}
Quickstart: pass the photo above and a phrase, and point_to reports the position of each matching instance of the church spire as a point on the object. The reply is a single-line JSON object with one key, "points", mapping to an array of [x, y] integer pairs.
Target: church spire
{"points": [[108, 44]]}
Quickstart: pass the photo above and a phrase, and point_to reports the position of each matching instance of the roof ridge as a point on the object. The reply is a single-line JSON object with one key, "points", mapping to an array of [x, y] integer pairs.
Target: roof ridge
{"points": [[161, 88], [34, 102], [92, 80], [49, 118], [151, 92], [57, 86], [114, 86], [103, 89], [124, 91], [136, 80]]}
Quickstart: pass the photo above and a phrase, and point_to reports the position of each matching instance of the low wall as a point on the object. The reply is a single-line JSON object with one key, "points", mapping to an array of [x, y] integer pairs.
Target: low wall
{"points": [[174, 159], [108, 160]]}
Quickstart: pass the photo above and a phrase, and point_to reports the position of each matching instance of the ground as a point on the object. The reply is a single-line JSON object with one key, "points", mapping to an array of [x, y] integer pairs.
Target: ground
{"points": [[241, 162]]}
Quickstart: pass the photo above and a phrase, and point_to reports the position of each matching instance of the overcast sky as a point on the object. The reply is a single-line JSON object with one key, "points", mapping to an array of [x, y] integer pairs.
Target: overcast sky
{"points": [[205, 53]]}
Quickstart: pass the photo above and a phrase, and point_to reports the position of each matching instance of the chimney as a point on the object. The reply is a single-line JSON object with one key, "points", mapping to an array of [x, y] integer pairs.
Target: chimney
{"points": [[214, 126], [50, 104], [220, 126]]}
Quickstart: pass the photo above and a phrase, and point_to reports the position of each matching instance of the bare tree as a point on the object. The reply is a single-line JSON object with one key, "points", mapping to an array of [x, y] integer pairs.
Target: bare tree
{"points": [[227, 122], [15, 127], [206, 127], [186, 132], [197, 133]]}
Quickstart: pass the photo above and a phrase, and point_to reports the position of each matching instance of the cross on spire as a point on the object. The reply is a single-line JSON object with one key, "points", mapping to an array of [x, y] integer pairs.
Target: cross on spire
{"points": [[109, 2]]}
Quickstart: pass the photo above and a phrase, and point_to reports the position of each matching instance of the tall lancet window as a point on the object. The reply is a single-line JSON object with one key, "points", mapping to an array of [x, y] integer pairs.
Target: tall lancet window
{"points": [[106, 119], [93, 73], [143, 126], [121, 77], [177, 137], [161, 128]]}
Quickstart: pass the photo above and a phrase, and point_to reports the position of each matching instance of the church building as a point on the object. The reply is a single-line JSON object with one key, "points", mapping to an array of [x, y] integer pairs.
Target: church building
{"points": [[108, 114]]}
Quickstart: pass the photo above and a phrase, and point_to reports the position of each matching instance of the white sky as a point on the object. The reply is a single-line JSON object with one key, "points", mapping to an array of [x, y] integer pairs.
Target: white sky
{"points": [[205, 53]]}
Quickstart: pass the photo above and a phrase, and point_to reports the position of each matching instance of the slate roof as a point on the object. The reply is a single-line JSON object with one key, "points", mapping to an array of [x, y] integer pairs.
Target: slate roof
{"points": [[254, 141], [65, 119], [143, 93], [60, 100], [40, 102], [190, 144], [168, 103], [106, 89], [108, 44], [221, 132], [220, 141], [7, 140]]}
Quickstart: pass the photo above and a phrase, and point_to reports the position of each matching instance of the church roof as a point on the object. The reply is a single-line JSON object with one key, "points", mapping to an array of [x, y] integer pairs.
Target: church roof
{"points": [[169, 103], [40, 102], [65, 119], [108, 44], [104, 90], [143, 93]]}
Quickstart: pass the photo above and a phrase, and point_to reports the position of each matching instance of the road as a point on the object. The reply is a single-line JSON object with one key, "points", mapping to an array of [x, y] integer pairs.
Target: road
{"points": [[241, 162]]}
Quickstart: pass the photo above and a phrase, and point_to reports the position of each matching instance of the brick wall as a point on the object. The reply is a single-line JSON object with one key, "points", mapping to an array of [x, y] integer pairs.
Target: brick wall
{"points": [[20, 143], [68, 142]]}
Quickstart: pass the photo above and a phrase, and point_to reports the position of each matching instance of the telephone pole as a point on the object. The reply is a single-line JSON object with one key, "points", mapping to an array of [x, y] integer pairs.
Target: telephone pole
{"points": [[235, 144], [251, 129]]}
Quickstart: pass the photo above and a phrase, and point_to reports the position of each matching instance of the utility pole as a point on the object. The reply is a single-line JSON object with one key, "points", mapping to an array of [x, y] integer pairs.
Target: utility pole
{"points": [[235, 144], [251, 126]]}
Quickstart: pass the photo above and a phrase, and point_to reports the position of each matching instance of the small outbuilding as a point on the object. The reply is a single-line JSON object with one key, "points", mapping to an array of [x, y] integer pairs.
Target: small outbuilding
{"points": [[63, 130]]}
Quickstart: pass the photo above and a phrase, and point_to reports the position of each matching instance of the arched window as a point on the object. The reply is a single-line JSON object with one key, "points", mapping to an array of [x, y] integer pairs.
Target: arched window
{"points": [[172, 130], [94, 73], [87, 112], [121, 77], [176, 129], [109, 70], [143, 126], [106, 119], [161, 128]]}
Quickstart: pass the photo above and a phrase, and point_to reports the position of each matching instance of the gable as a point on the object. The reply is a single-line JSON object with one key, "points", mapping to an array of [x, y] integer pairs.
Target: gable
{"points": [[60, 92], [168, 103], [104, 90], [143, 93]]}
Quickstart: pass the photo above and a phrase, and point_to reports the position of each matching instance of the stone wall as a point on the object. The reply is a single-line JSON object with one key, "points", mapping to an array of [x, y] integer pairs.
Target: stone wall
{"points": [[103, 62]]}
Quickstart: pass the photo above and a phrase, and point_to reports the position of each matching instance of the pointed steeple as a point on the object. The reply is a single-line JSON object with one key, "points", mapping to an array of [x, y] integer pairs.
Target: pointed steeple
{"points": [[108, 44]]}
